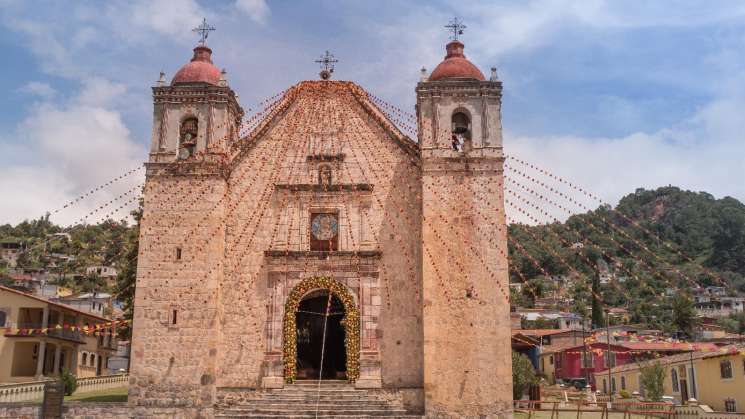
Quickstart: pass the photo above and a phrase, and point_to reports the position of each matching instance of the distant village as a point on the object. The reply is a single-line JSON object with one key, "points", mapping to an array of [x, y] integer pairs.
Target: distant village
{"points": [[567, 353], [49, 328]]}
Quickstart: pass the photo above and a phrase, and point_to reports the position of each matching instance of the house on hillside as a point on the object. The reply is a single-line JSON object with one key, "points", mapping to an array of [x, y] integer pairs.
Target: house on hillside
{"points": [[10, 250], [560, 319], [715, 378], [585, 360], [577, 363], [106, 272], [626, 333], [713, 302], [25, 282], [550, 342], [98, 303], [40, 338]]}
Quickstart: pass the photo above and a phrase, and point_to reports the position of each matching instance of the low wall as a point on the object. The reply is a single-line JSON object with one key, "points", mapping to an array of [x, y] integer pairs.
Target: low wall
{"points": [[86, 410], [34, 391], [20, 410]]}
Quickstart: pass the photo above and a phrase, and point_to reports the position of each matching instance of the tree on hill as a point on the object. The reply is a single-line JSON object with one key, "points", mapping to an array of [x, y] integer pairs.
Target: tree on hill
{"points": [[728, 247], [127, 269], [597, 310], [684, 315]]}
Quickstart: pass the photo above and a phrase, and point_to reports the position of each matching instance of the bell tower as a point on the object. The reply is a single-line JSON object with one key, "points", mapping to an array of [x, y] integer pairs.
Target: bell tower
{"points": [[467, 354], [196, 115], [182, 236]]}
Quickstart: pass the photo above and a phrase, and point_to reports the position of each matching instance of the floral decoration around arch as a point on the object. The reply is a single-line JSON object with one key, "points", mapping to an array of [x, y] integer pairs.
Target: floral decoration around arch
{"points": [[352, 325]]}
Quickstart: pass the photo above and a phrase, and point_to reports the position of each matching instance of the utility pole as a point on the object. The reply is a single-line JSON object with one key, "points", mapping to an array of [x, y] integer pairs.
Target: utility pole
{"points": [[607, 333], [693, 376], [584, 353]]}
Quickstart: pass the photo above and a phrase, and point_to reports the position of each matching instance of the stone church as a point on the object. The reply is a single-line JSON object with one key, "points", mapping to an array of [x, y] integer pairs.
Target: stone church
{"points": [[316, 241]]}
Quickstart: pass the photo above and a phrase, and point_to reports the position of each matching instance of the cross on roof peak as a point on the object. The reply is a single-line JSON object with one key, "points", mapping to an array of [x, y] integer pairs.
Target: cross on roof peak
{"points": [[327, 62], [456, 27], [204, 30]]}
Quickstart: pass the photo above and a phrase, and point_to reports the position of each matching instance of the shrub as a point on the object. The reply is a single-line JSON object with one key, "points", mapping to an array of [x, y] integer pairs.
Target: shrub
{"points": [[624, 394], [70, 382], [523, 375], [652, 380]]}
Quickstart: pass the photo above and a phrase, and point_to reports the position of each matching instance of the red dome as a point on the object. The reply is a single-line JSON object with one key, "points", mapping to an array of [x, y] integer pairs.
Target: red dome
{"points": [[456, 65], [199, 70]]}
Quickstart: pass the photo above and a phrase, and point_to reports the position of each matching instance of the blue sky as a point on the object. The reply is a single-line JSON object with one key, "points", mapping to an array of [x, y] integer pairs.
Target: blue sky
{"points": [[611, 94]]}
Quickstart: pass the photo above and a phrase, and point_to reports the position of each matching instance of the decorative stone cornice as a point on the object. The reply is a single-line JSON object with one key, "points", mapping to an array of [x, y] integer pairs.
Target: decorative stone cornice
{"points": [[314, 187], [459, 88], [298, 254], [196, 94], [327, 157], [198, 168]]}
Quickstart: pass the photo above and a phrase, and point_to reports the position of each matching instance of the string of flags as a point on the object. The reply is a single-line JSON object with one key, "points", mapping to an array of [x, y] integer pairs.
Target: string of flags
{"points": [[99, 329]]}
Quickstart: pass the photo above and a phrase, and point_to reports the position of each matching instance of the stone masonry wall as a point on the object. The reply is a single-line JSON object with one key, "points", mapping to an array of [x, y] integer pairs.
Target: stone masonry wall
{"points": [[325, 120], [173, 361], [467, 361]]}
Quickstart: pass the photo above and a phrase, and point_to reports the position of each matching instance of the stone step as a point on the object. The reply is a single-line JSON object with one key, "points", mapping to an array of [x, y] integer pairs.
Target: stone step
{"points": [[326, 384], [313, 415], [311, 409], [315, 396], [313, 402], [310, 413], [300, 400]]}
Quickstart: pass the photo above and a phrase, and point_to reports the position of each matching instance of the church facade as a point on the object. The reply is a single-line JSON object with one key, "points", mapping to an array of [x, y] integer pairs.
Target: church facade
{"points": [[323, 243]]}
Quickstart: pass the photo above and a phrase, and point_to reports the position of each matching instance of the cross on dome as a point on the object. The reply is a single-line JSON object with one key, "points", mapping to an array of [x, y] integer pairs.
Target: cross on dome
{"points": [[327, 62], [204, 30], [456, 27]]}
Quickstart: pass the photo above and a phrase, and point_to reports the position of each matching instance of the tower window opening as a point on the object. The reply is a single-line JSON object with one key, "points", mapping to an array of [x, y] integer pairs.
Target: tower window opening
{"points": [[188, 137], [178, 253], [461, 131]]}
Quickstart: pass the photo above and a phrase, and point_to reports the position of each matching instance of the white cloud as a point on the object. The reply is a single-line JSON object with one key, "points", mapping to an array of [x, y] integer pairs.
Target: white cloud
{"points": [[497, 27], [69, 148], [100, 92], [173, 18], [39, 89], [257, 10], [704, 153]]}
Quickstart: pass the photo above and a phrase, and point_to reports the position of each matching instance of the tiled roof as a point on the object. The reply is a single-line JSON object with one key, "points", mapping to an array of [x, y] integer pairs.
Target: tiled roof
{"points": [[541, 332], [667, 346], [43, 300], [684, 357], [557, 347]]}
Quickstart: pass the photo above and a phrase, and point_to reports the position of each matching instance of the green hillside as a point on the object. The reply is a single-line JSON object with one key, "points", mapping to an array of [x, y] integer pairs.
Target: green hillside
{"points": [[651, 241]]}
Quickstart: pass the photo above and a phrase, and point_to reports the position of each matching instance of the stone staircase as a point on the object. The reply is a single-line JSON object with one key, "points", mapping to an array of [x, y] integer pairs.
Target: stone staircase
{"points": [[334, 399]]}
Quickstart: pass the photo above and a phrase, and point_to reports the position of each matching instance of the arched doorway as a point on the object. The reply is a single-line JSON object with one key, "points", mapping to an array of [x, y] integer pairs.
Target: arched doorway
{"points": [[320, 337], [303, 331]]}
